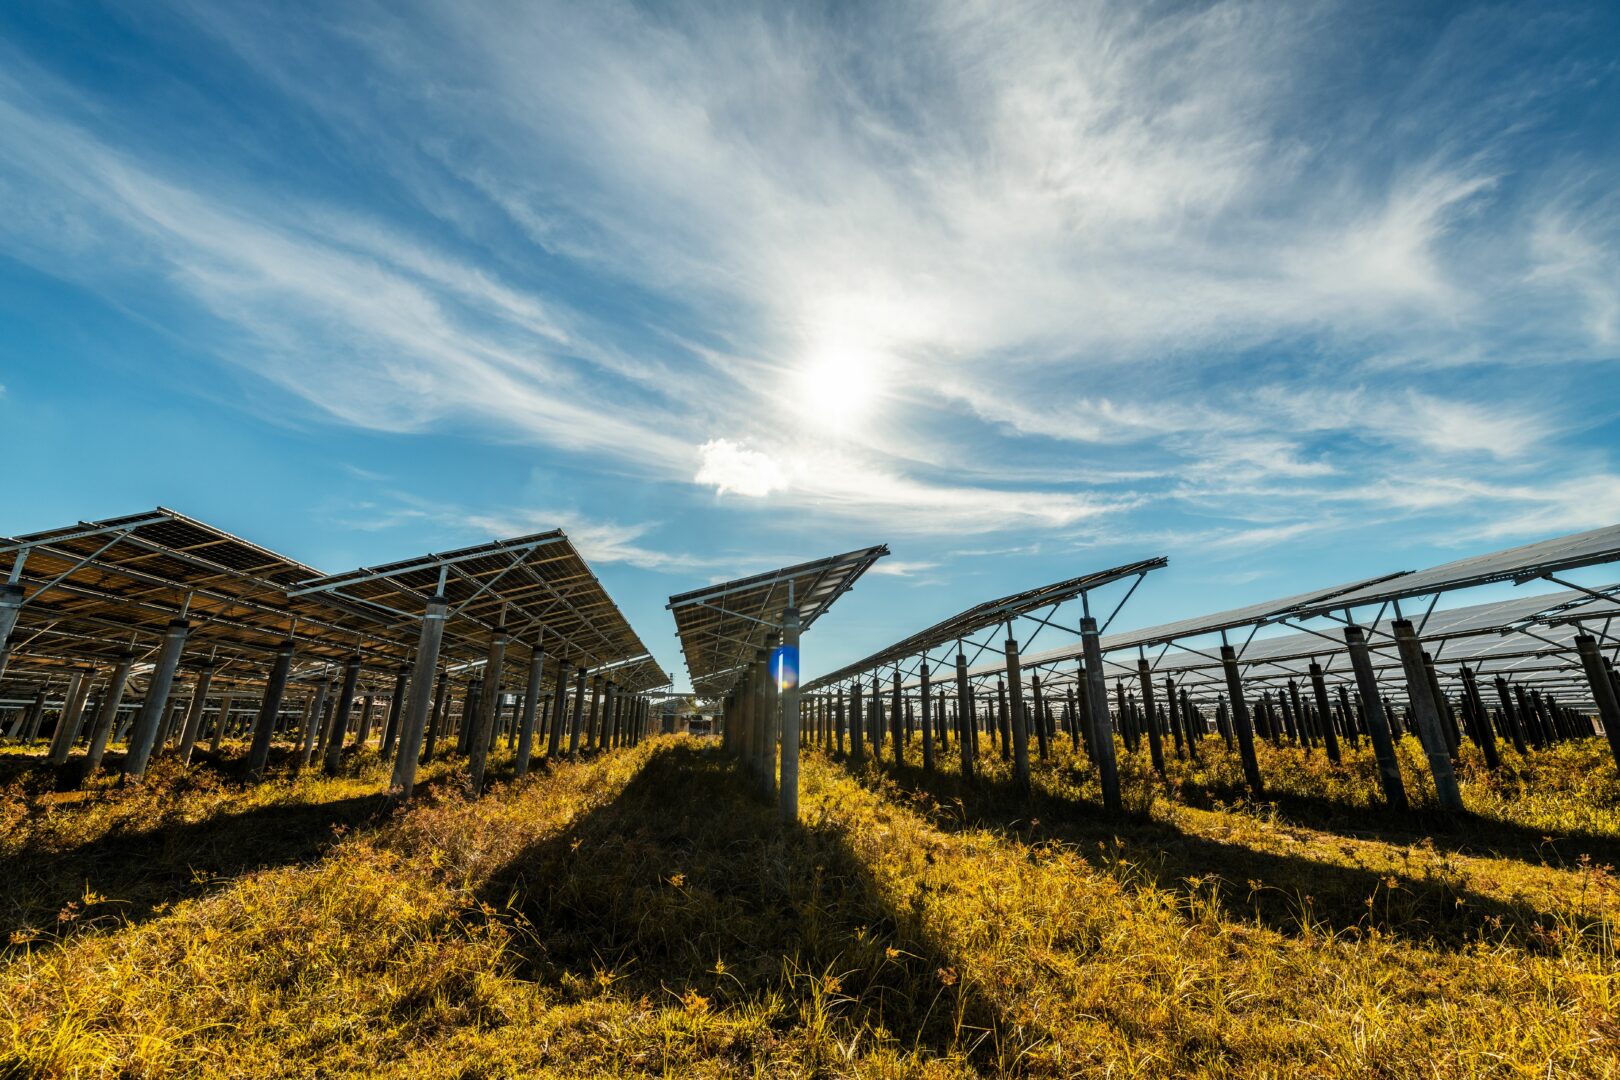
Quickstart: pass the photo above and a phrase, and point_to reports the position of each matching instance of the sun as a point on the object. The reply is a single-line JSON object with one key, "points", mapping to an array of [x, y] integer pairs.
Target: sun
{"points": [[838, 388]]}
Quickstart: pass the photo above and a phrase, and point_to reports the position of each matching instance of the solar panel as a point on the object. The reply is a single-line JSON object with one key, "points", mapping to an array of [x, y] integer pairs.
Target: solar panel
{"points": [[983, 616], [1442, 631], [538, 587], [95, 589], [1513, 564], [722, 626]]}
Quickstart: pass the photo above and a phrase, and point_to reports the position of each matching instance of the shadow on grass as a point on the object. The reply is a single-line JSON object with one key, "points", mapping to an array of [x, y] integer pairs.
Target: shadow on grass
{"points": [[138, 871], [687, 884], [1463, 834], [1289, 893]]}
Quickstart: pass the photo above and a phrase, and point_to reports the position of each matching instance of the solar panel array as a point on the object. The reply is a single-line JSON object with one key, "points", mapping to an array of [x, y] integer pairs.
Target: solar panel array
{"points": [[723, 626], [98, 589]]}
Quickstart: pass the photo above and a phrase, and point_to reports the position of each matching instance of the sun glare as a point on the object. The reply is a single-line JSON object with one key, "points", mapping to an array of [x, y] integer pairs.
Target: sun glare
{"points": [[835, 389]]}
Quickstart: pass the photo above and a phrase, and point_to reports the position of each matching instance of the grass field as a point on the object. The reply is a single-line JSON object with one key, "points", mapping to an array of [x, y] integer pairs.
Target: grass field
{"points": [[642, 913]]}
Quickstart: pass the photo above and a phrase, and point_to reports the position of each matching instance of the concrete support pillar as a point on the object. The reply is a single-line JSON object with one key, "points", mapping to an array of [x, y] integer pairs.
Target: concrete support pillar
{"points": [[1597, 678], [265, 726], [332, 760], [157, 700], [531, 705], [789, 799], [67, 725], [107, 715], [1017, 717], [484, 735], [1241, 724], [1426, 712], [420, 696], [194, 714]]}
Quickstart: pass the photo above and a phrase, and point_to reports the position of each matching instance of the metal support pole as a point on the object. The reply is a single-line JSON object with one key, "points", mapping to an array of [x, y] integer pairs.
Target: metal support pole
{"points": [[769, 718], [592, 721], [1241, 723], [1377, 722], [154, 708], [340, 717], [312, 726], [1040, 716], [927, 720], [531, 706], [264, 727], [1150, 717], [396, 711], [420, 697], [1330, 738], [897, 726], [1597, 677], [964, 711], [107, 715], [857, 742], [1426, 711], [219, 726], [488, 707], [789, 800], [578, 719], [559, 703], [1102, 736], [363, 735], [1020, 727], [194, 715], [67, 725], [11, 601]]}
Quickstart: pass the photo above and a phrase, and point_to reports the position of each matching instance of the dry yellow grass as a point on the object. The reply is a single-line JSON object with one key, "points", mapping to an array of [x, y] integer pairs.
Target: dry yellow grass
{"points": [[640, 913]]}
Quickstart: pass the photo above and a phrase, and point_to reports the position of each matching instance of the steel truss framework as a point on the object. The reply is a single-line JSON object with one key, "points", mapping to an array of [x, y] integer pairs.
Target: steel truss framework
{"points": [[95, 591], [722, 627], [1005, 612]]}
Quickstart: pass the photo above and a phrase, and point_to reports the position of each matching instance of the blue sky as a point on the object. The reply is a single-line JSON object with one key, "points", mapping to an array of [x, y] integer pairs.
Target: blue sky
{"points": [[1287, 292]]}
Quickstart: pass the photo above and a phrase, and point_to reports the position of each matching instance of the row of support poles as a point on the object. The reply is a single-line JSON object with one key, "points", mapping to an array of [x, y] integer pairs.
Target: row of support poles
{"points": [[1303, 713]]}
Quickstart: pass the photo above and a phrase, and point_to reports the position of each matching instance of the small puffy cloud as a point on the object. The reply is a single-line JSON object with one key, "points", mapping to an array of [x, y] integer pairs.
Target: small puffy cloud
{"points": [[732, 467]]}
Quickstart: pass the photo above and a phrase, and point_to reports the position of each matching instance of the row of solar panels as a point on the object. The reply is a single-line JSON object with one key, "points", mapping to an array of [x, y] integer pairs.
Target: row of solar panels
{"points": [[723, 627], [96, 590]]}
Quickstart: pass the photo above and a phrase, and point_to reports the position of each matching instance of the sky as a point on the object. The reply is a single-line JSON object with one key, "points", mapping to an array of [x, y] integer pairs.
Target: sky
{"points": [[1288, 293]]}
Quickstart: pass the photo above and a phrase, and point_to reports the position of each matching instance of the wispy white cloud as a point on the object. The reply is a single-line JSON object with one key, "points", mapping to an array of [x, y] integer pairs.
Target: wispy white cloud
{"points": [[966, 269]]}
